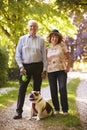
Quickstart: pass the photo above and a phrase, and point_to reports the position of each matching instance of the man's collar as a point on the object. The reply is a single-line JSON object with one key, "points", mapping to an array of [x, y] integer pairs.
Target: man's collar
{"points": [[31, 35]]}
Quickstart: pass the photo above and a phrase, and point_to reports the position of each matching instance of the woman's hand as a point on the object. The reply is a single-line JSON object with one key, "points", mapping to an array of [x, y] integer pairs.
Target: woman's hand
{"points": [[67, 69]]}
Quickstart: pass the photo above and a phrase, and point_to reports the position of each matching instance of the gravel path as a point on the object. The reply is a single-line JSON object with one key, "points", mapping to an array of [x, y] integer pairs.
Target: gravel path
{"points": [[6, 117], [81, 102], [8, 123]]}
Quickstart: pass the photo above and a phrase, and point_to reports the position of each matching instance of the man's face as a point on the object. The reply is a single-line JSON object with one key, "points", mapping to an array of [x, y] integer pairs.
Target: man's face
{"points": [[33, 28]]}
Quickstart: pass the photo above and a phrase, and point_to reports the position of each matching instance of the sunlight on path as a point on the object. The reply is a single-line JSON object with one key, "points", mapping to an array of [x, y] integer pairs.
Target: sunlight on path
{"points": [[6, 90], [81, 75]]}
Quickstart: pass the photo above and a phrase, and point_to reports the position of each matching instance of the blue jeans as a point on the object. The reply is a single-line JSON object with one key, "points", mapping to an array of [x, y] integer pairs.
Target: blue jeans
{"points": [[57, 82]]}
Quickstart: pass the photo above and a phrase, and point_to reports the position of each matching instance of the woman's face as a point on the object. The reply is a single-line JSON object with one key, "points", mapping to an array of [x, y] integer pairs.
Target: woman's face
{"points": [[54, 39]]}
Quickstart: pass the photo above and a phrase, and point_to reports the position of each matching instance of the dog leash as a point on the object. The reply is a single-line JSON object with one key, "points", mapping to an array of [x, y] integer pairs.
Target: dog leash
{"points": [[33, 106]]}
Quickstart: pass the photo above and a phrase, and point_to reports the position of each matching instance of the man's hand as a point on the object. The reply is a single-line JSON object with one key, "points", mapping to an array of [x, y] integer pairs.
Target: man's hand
{"points": [[22, 70], [43, 74]]}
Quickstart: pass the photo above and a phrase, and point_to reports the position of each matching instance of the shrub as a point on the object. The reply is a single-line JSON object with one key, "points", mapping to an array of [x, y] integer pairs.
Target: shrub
{"points": [[3, 65], [13, 73]]}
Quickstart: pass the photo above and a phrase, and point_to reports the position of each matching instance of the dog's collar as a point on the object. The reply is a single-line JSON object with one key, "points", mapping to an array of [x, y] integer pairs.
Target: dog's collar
{"points": [[33, 106]]}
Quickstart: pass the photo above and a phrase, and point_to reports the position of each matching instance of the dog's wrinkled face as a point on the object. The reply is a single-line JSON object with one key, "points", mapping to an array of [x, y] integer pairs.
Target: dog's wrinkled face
{"points": [[34, 95]]}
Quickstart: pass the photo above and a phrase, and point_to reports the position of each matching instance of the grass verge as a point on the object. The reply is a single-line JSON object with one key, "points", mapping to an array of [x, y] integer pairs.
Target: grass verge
{"points": [[11, 96]]}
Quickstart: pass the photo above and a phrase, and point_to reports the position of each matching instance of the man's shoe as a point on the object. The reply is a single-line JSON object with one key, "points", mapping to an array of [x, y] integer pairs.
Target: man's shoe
{"points": [[17, 117]]}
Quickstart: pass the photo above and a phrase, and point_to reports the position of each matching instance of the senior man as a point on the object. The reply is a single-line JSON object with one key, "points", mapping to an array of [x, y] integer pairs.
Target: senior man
{"points": [[31, 59]]}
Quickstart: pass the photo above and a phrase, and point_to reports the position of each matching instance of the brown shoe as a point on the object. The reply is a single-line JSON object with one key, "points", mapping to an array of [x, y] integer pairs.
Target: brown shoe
{"points": [[18, 116]]}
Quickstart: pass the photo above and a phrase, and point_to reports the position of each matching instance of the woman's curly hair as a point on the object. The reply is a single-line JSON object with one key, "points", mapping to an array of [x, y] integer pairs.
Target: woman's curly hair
{"points": [[60, 37]]}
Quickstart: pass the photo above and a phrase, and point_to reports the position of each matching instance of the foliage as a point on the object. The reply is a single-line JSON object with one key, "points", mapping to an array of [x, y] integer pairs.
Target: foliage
{"points": [[78, 45], [14, 23], [72, 5], [3, 65], [15, 14], [13, 73], [80, 65]]}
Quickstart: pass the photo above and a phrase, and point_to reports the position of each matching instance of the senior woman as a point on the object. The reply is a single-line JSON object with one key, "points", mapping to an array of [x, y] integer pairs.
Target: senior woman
{"points": [[58, 64]]}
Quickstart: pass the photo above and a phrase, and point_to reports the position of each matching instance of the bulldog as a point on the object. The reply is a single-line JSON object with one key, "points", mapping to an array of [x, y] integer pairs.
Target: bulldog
{"points": [[39, 106]]}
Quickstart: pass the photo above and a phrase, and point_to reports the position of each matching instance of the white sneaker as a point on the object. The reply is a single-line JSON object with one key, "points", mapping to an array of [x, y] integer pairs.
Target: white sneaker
{"points": [[56, 112], [65, 113]]}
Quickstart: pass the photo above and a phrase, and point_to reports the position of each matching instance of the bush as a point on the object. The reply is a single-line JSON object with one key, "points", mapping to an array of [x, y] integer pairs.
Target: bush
{"points": [[13, 73], [3, 65]]}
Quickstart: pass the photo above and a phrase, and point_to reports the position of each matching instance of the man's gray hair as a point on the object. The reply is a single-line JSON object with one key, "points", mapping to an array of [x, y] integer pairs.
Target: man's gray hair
{"points": [[32, 21]]}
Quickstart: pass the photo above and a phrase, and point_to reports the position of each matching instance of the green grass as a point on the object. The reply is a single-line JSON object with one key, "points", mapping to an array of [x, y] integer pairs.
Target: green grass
{"points": [[80, 65], [70, 121], [11, 97]]}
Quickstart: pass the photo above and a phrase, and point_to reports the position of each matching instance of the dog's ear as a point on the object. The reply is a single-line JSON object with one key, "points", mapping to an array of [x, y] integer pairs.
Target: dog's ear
{"points": [[37, 93], [33, 91]]}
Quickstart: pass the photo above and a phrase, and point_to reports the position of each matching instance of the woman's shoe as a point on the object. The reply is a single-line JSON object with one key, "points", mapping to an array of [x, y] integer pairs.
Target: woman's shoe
{"points": [[56, 112], [65, 113]]}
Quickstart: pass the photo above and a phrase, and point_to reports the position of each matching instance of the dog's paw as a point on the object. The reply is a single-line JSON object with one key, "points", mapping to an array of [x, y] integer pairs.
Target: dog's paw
{"points": [[38, 119], [29, 118]]}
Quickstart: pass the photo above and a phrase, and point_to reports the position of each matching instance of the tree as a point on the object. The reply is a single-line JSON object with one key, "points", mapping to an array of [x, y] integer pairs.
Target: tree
{"points": [[71, 6], [15, 14], [78, 45], [3, 65]]}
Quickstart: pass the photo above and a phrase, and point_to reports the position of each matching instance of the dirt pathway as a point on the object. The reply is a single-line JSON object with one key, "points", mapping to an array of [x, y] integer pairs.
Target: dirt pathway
{"points": [[6, 117], [8, 123], [81, 102]]}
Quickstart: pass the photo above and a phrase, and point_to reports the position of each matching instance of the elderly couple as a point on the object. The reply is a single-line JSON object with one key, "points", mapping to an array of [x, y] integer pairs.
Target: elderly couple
{"points": [[34, 59]]}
